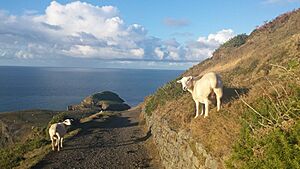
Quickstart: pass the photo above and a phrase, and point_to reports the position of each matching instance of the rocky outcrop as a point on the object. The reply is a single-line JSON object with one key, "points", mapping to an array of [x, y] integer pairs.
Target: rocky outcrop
{"points": [[5, 134], [106, 100], [177, 149]]}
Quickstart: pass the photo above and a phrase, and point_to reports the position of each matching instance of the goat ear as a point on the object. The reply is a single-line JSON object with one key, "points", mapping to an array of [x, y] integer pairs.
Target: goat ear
{"points": [[178, 81]]}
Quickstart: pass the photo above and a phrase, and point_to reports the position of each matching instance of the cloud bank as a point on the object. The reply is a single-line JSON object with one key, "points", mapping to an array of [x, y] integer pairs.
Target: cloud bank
{"points": [[82, 30]]}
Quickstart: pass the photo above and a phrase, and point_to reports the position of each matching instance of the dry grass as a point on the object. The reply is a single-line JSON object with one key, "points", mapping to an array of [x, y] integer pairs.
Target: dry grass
{"points": [[31, 158], [28, 130], [252, 66]]}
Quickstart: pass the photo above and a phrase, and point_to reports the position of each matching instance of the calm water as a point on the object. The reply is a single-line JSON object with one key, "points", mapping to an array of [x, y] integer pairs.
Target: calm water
{"points": [[55, 88]]}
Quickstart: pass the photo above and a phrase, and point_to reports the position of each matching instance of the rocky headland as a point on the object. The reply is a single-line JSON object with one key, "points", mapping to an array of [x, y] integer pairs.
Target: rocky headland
{"points": [[106, 101]]}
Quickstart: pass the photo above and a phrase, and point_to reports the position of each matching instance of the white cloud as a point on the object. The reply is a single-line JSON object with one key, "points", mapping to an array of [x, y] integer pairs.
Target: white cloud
{"points": [[77, 29], [82, 51], [82, 30], [21, 54], [218, 38], [137, 52], [205, 46], [195, 50], [77, 17], [159, 53]]}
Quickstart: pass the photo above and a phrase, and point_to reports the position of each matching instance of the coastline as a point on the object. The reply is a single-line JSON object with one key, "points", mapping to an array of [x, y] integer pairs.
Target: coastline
{"points": [[56, 88]]}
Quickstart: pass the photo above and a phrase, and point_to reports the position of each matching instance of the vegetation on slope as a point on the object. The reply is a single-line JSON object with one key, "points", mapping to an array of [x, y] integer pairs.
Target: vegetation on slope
{"points": [[269, 135], [168, 92], [236, 41], [12, 156], [263, 69], [37, 143]]}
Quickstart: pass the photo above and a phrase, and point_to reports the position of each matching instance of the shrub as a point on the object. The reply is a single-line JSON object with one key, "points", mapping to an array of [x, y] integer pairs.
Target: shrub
{"points": [[236, 41], [277, 149], [270, 137]]}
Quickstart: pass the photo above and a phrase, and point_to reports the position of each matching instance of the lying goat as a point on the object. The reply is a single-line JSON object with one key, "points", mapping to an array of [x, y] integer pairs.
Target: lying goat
{"points": [[57, 132], [202, 88]]}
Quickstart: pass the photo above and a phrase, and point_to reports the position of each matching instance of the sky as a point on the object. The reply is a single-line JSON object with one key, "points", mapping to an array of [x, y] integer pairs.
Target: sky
{"points": [[156, 34]]}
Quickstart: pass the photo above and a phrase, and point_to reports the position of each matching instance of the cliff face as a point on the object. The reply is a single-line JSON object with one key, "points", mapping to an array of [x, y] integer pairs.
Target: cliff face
{"points": [[261, 80]]}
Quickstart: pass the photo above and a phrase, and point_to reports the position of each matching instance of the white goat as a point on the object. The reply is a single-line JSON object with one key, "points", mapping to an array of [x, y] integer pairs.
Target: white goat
{"points": [[202, 88], [57, 132]]}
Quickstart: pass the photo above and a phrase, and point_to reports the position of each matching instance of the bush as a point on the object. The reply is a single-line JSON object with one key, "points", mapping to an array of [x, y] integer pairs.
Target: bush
{"points": [[270, 137], [236, 41], [277, 149]]}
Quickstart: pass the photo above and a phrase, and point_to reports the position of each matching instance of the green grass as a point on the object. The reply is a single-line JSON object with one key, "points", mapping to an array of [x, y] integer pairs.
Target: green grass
{"points": [[277, 149], [271, 138], [293, 64], [12, 156], [168, 92]]}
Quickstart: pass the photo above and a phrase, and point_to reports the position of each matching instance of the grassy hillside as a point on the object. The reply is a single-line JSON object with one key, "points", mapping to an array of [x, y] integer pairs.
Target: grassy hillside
{"points": [[258, 125], [24, 136]]}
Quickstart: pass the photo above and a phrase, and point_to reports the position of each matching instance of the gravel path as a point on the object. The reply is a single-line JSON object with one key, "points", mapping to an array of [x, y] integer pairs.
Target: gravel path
{"points": [[115, 143]]}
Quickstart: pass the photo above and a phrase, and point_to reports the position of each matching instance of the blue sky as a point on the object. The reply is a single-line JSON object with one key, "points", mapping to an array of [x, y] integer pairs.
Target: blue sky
{"points": [[125, 33]]}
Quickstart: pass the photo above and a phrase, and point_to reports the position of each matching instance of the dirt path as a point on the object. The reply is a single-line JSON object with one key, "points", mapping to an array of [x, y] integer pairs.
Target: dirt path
{"points": [[116, 143]]}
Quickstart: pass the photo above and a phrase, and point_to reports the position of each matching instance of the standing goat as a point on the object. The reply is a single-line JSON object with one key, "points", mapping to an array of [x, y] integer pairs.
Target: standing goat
{"points": [[202, 88], [57, 132]]}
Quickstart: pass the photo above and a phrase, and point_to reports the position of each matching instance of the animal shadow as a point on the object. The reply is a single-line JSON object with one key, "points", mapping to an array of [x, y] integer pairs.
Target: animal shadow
{"points": [[232, 93]]}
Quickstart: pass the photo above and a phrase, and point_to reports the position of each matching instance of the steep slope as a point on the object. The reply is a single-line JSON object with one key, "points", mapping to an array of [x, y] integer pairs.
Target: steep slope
{"points": [[261, 95]]}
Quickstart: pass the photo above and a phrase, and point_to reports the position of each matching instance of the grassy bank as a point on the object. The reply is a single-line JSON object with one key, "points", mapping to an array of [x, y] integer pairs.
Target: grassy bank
{"points": [[25, 154], [258, 124]]}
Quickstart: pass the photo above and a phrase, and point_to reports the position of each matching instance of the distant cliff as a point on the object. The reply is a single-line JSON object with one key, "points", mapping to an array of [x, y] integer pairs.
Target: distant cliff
{"points": [[106, 100], [259, 120]]}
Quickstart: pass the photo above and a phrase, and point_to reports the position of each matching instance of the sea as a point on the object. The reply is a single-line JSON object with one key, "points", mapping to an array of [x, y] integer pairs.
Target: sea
{"points": [[24, 88]]}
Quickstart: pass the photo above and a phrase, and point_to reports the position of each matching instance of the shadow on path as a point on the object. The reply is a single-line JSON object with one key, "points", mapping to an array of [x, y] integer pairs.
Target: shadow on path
{"points": [[113, 122]]}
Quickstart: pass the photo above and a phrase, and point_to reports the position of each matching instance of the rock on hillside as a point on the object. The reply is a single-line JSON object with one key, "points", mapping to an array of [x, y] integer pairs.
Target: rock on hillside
{"points": [[263, 68], [106, 100]]}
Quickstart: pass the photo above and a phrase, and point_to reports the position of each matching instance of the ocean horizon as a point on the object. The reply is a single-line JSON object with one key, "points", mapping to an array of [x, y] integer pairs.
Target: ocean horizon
{"points": [[54, 88]]}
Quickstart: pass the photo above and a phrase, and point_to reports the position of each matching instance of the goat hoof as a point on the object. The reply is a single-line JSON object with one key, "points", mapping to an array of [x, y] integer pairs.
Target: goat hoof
{"points": [[205, 116], [195, 117]]}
